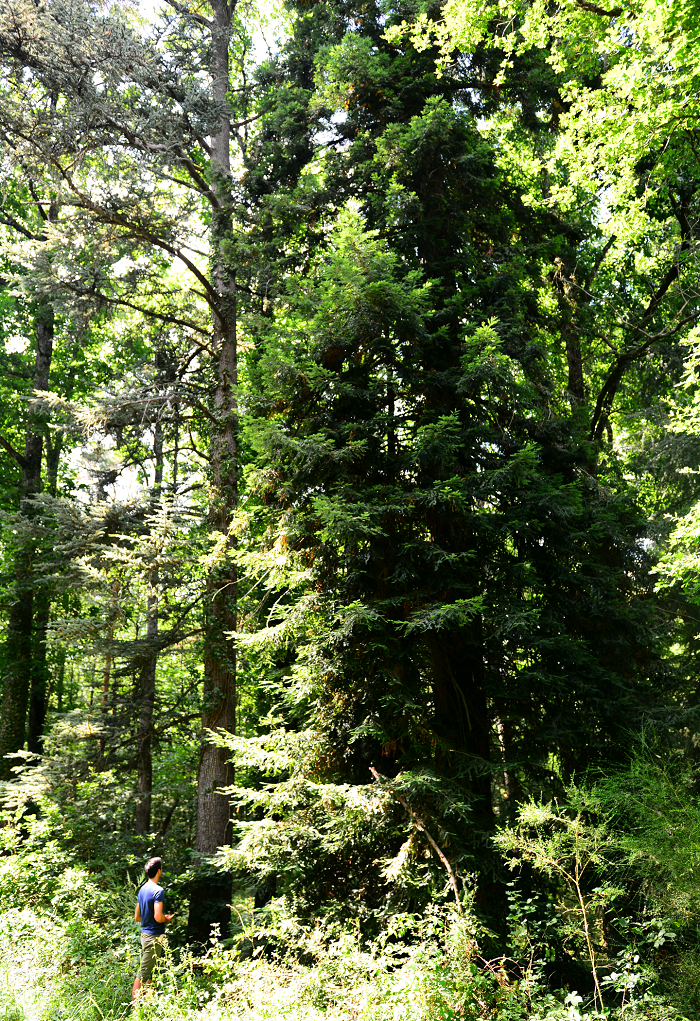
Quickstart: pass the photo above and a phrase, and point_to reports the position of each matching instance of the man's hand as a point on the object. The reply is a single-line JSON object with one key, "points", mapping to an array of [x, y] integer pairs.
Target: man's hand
{"points": [[158, 913]]}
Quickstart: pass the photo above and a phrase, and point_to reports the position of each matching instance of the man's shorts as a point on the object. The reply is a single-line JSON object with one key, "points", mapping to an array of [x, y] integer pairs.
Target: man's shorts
{"points": [[152, 949]]}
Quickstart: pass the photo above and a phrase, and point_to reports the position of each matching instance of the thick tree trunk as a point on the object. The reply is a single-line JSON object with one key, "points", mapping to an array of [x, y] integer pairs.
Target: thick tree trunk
{"points": [[211, 893], [463, 724], [20, 629], [509, 781], [462, 718], [147, 694], [39, 675], [107, 670], [18, 661], [575, 384], [147, 685], [574, 360], [53, 459]]}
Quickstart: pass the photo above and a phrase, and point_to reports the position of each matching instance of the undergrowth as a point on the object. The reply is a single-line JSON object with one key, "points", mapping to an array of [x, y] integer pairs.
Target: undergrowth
{"points": [[602, 924], [82, 969]]}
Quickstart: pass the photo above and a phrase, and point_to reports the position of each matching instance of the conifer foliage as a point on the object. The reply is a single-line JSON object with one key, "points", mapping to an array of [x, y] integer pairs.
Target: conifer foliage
{"points": [[478, 594]]}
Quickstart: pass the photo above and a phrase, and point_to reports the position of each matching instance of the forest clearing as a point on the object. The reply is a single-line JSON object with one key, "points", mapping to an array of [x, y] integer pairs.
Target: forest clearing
{"points": [[349, 510]]}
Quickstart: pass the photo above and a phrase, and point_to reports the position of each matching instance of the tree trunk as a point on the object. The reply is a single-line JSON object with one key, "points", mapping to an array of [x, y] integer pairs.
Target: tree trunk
{"points": [[18, 646], [107, 670], [575, 384], [147, 685], [211, 893], [39, 675], [60, 674], [18, 660], [147, 695], [53, 459], [462, 718], [463, 724], [509, 783]]}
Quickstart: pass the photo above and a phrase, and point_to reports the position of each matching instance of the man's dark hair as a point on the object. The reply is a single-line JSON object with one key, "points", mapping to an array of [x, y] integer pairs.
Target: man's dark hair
{"points": [[152, 866]]}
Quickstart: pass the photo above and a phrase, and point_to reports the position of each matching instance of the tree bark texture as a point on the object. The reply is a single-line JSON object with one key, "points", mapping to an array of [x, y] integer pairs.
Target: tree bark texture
{"points": [[462, 718], [39, 670], [211, 892], [147, 698], [20, 643], [147, 679], [463, 726]]}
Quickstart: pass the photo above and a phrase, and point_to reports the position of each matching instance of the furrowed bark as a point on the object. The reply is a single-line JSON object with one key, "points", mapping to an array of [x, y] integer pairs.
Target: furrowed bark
{"points": [[20, 675], [463, 724], [147, 694], [575, 384], [462, 717], [39, 684], [211, 892], [147, 685]]}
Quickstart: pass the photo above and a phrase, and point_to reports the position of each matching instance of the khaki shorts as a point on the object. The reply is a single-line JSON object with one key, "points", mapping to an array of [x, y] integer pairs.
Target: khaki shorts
{"points": [[152, 949]]}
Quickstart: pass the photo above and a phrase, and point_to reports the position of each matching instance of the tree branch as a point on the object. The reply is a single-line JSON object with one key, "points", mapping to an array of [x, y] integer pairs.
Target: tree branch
{"points": [[608, 392], [84, 202], [10, 221], [21, 461], [199, 18], [421, 826], [161, 316], [594, 9], [599, 261]]}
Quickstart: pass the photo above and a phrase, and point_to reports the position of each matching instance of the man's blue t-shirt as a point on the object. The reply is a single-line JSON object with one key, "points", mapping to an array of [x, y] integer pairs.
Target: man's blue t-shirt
{"points": [[148, 895]]}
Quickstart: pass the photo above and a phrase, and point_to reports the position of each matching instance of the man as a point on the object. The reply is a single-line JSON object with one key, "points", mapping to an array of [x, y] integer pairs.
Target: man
{"points": [[149, 912]]}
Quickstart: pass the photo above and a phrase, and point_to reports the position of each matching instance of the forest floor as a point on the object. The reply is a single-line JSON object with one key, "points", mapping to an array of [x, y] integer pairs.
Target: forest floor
{"points": [[81, 969], [53, 969]]}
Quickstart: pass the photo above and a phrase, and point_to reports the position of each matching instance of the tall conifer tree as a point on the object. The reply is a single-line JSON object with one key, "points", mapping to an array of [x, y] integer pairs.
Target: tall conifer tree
{"points": [[475, 619]]}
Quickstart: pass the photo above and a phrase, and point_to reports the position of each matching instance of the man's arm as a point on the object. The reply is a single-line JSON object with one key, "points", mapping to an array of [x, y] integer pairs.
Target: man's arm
{"points": [[137, 913], [158, 913]]}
